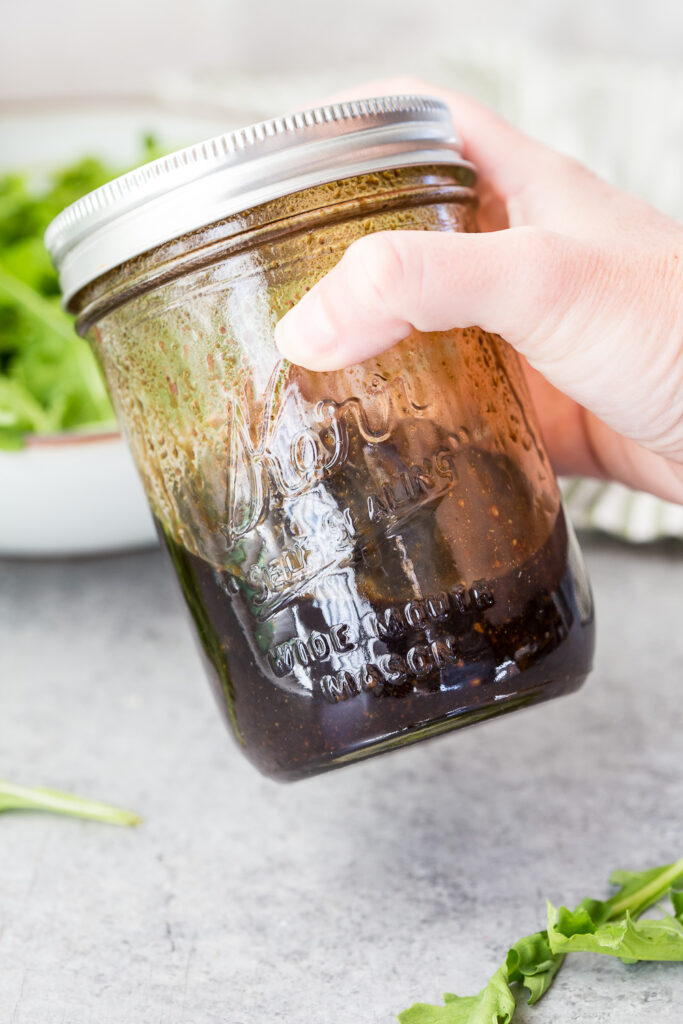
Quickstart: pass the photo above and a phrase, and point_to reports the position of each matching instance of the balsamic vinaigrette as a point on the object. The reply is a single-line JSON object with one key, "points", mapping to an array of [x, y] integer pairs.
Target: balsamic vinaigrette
{"points": [[370, 556], [315, 689]]}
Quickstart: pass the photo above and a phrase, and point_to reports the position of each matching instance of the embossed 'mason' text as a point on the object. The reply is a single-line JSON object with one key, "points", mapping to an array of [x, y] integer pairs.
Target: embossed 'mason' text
{"points": [[414, 623], [392, 670], [281, 462]]}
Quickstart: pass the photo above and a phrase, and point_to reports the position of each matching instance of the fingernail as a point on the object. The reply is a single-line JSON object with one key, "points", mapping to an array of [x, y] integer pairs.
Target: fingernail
{"points": [[306, 329]]}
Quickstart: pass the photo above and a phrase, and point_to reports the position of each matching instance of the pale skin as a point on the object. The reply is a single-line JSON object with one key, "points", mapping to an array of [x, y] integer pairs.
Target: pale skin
{"points": [[585, 281]]}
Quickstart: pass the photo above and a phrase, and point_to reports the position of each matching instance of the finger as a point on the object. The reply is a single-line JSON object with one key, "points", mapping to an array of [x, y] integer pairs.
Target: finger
{"points": [[390, 282], [579, 444], [563, 422], [623, 459], [579, 313]]}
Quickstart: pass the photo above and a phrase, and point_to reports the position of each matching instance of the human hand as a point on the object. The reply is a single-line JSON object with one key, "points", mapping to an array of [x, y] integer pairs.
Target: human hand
{"points": [[585, 281]]}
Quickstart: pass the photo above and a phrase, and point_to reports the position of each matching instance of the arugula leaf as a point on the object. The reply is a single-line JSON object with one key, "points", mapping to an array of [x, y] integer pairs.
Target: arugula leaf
{"points": [[609, 927], [676, 896], [639, 890], [16, 798], [659, 939], [532, 963], [495, 1004], [596, 926]]}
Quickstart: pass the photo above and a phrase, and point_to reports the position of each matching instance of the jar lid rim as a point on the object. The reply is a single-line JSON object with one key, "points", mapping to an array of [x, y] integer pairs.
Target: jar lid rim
{"points": [[229, 173]]}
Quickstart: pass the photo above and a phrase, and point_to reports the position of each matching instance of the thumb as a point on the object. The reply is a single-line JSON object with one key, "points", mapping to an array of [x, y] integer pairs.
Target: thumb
{"points": [[518, 283], [572, 308], [602, 323]]}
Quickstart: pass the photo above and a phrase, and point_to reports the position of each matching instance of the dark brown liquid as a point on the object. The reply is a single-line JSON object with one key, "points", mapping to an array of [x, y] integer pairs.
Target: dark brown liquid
{"points": [[305, 692]]}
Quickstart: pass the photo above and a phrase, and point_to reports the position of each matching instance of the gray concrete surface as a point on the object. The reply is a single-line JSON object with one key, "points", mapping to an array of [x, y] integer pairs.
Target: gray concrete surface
{"points": [[335, 901]]}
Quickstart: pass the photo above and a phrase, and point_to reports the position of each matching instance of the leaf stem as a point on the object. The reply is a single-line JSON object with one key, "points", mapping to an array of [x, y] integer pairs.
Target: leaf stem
{"points": [[640, 900], [40, 798]]}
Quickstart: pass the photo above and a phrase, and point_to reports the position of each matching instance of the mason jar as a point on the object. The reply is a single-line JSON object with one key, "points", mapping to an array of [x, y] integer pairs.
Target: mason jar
{"points": [[370, 556]]}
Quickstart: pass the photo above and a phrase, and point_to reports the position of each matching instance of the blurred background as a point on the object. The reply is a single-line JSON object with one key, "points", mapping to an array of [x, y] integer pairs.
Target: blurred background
{"points": [[78, 48], [601, 80]]}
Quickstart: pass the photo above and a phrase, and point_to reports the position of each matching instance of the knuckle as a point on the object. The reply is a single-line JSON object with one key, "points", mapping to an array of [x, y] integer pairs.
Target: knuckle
{"points": [[377, 269]]}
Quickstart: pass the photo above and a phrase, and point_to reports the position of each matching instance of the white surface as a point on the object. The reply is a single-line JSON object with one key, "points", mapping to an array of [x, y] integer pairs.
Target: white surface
{"points": [[76, 497]]}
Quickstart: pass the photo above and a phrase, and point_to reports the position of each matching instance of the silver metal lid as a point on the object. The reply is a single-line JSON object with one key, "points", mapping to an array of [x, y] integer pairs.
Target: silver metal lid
{"points": [[230, 173]]}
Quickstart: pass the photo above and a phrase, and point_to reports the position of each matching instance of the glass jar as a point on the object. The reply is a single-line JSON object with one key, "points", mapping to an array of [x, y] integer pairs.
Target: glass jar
{"points": [[370, 556]]}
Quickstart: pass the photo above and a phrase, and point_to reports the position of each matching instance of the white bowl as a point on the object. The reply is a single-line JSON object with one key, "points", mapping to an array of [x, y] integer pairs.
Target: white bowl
{"points": [[72, 494], [78, 493]]}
